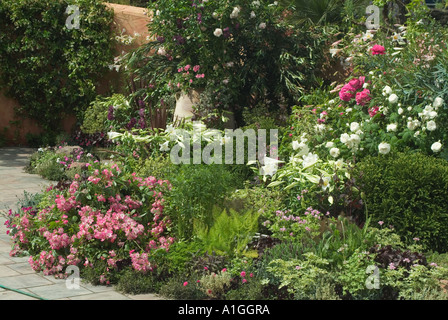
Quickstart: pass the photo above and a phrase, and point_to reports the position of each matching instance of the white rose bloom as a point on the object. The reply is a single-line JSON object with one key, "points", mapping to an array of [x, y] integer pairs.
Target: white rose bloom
{"points": [[262, 25], [215, 15], [393, 98], [329, 144], [344, 137], [334, 152], [218, 32], [412, 125], [436, 146], [431, 125], [384, 148], [391, 127], [438, 102], [354, 126], [387, 90], [432, 114], [252, 15], [235, 13], [400, 110]]}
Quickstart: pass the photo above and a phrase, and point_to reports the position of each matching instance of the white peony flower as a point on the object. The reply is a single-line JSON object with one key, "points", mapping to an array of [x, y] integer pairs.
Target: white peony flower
{"points": [[391, 127], [262, 25], [438, 102], [436, 146], [252, 15], [400, 110], [384, 148], [334, 152], [393, 98], [218, 32], [431, 125]]}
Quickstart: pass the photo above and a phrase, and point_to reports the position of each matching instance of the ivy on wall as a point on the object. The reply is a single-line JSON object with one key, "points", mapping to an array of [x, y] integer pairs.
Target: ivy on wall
{"points": [[52, 57]]}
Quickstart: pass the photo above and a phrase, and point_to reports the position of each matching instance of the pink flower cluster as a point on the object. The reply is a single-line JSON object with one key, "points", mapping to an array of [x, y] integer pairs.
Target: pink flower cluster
{"points": [[377, 49], [105, 217], [350, 91], [57, 239], [140, 262]]}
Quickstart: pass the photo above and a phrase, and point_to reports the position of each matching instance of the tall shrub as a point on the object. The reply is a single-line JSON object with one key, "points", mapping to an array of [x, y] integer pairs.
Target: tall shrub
{"points": [[408, 191]]}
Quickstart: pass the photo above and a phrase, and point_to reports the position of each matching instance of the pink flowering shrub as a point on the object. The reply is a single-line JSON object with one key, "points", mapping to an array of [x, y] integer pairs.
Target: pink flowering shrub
{"points": [[108, 220]]}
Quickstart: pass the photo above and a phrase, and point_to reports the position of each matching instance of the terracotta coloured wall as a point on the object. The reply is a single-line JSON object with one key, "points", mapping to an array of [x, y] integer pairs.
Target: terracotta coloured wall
{"points": [[133, 20]]}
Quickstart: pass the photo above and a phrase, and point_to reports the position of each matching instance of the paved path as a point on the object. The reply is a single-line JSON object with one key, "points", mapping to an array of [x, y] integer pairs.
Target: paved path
{"points": [[15, 272]]}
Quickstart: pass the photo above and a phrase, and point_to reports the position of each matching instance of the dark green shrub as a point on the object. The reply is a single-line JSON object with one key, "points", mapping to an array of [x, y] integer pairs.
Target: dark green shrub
{"points": [[410, 192]]}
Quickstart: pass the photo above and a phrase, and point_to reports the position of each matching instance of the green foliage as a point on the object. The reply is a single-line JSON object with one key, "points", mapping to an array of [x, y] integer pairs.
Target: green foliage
{"points": [[320, 12], [95, 118], [216, 284], [183, 288], [49, 69], [409, 191], [253, 290], [300, 276], [229, 233], [158, 166], [196, 189]]}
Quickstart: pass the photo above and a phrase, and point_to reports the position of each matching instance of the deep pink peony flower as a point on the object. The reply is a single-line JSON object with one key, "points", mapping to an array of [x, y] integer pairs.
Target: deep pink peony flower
{"points": [[377, 49], [363, 97], [347, 92], [357, 83]]}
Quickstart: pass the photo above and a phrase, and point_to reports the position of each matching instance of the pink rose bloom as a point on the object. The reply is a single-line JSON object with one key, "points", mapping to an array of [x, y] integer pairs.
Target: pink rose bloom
{"points": [[373, 111], [363, 97], [357, 83], [377, 49], [347, 92]]}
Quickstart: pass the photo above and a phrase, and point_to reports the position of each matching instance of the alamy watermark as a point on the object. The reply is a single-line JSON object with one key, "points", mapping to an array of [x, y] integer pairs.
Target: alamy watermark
{"points": [[73, 20]]}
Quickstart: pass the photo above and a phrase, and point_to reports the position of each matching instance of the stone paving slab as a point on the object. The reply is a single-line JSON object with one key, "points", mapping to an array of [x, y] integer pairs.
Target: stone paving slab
{"points": [[15, 272]]}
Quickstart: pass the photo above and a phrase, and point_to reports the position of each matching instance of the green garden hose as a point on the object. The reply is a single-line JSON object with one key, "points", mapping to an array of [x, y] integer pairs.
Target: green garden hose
{"points": [[21, 292]]}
